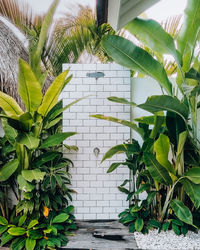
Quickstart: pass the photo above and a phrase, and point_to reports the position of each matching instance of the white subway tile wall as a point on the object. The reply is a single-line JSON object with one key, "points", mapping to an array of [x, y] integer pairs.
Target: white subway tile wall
{"points": [[97, 194]]}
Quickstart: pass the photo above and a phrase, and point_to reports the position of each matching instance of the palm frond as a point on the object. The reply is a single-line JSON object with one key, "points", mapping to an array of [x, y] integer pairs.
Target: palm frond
{"points": [[172, 25], [20, 13]]}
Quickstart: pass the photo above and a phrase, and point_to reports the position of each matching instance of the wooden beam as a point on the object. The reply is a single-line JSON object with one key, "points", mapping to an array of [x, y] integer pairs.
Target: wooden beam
{"points": [[114, 13], [134, 11]]}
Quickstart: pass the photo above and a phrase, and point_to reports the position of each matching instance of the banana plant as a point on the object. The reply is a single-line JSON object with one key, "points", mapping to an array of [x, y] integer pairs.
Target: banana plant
{"points": [[155, 171], [34, 130], [169, 155], [24, 129], [184, 50]]}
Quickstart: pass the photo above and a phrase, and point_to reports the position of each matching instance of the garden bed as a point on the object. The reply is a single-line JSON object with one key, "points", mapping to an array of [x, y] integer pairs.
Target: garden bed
{"points": [[167, 240]]}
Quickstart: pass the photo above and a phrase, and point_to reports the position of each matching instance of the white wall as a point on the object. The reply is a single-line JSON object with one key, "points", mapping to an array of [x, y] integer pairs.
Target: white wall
{"points": [[141, 89], [97, 194]]}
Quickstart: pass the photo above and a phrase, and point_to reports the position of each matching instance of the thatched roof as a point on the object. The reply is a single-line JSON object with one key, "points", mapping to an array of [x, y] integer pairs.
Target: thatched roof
{"points": [[11, 49], [13, 45]]}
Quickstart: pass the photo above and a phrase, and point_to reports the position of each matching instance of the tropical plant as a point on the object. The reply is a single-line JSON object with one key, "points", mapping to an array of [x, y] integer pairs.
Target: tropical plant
{"points": [[166, 166], [37, 232], [33, 158]]}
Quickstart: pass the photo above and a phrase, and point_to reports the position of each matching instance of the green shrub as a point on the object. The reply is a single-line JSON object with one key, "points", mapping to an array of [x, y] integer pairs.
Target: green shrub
{"points": [[171, 183]]}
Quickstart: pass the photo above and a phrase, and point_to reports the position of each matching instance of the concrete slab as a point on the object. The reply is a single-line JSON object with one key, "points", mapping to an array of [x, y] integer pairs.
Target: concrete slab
{"points": [[103, 235]]}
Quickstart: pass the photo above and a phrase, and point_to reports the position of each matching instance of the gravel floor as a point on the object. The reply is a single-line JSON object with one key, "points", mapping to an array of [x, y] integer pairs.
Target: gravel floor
{"points": [[167, 240]]}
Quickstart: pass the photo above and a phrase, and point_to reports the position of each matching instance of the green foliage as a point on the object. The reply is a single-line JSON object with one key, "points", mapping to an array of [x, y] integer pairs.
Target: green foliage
{"points": [[165, 168], [126, 53], [29, 88], [30, 159], [181, 211], [39, 234], [8, 169]]}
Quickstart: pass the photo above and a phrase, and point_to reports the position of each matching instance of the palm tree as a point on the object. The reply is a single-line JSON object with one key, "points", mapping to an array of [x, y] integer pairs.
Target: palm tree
{"points": [[80, 33], [70, 37]]}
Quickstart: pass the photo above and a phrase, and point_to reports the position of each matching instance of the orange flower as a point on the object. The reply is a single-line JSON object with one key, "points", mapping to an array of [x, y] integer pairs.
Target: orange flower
{"points": [[46, 238], [46, 211]]}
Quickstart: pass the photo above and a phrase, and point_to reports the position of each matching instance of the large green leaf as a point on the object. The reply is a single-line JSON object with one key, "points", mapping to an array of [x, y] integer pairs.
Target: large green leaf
{"points": [[54, 122], [189, 32], [119, 149], [32, 224], [164, 102], [44, 31], [28, 87], [58, 109], [122, 122], [22, 219], [24, 185], [181, 211], [16, 231], [175, 125], [5, 238], [36, 234], [43, 158], [54, 112], [8, 169], [26, 121], [180, 147], [158, 123], [22, 155], [139, 223], [124, 52], [30, 244], [34, 174], [193, 175], [9, 105], [181, 142], [120, 100], [56, 139], [153, 36], [18, 244], [28, 140], [9, 131], [3, 229], [157, 171], [113, 166], [60, 218], [146, 119], [193, 191], [3, 221], [52, 94], [161, 147]]}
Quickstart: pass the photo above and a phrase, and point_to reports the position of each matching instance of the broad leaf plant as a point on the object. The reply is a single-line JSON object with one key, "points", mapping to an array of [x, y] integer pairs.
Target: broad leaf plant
{"points": [[166, 165], [33, 164]]}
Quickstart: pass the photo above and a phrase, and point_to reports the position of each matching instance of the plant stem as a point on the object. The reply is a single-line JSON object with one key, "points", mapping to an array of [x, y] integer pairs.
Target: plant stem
{"points": [[159, 206], [14, 191], [6, 202], [2, 210], [168, 199]]}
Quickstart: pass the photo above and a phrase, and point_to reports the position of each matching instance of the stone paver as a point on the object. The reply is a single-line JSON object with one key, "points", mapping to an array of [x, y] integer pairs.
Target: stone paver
{"points": [[103, 235]]}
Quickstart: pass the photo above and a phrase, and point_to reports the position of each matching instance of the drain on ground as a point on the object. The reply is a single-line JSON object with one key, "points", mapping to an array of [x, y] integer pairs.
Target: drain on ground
{"points": [[108, 236]]}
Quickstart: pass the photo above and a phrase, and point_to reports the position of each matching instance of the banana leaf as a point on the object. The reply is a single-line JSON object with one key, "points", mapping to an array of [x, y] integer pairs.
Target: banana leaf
{"points": [[154, 36], [125, 53]]}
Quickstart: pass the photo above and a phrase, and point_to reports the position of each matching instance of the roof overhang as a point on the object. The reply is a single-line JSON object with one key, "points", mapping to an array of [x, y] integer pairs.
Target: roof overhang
{"points": [[119, 12]]}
